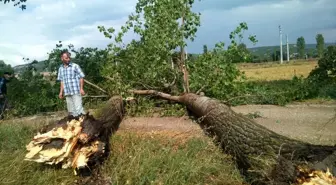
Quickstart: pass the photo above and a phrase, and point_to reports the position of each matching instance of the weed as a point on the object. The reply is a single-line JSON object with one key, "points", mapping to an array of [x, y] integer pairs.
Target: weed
{"points": [[135, 159], [256, 114], [16, 171], [150, 159]]}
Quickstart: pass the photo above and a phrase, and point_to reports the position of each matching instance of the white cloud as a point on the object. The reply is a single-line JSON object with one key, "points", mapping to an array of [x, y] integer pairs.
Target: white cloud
{"points": [[90, 36], [297, 17], [34, 32]]}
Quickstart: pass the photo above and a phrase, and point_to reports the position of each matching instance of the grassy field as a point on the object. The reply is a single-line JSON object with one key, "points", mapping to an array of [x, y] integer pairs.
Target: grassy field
{"points": [[275, 71], [136, 159], [159, 159]]}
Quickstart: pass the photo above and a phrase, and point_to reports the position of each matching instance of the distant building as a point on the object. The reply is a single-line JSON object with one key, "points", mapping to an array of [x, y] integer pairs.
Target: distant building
{"points": [[294, 55], [48, 75], [45, 74]]}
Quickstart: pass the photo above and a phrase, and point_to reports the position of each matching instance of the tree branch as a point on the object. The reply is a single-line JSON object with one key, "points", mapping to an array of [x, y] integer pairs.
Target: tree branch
{"points": [[109, 78], [148, 86], [96, 86], [173, 82], [156, 93], [99, 96], [201, 89]]}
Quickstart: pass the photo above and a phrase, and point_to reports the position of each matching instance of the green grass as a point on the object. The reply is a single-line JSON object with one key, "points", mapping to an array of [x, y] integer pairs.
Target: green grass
{"points": [[16, 171], [162, 160], [277, 92], [135, 159]]}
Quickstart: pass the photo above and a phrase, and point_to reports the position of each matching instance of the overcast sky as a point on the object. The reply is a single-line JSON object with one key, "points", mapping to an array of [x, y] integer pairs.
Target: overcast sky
{"points": [[34, 32]]}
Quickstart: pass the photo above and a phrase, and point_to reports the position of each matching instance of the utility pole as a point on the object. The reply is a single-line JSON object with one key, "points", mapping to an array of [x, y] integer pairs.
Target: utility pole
{"points": [[287, 48], [280, 33]]}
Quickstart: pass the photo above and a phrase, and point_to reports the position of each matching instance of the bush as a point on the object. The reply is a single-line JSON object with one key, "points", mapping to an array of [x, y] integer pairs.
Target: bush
{"points": [[215, 74], [32, 96], [322, 79], [326, 69]]}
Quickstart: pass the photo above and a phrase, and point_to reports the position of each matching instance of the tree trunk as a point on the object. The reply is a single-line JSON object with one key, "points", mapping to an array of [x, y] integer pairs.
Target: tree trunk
{"points": [[183, 65], [78, 142], [262, 156]]}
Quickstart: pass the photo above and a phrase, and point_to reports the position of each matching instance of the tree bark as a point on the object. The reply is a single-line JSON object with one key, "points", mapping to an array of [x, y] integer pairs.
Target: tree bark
{"points": [[182, 64], [262, 156], [79, 142]]}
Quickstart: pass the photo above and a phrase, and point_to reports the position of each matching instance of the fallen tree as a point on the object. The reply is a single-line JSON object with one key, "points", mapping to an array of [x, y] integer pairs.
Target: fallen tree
{"points": [[77, 142], [262, 156]]}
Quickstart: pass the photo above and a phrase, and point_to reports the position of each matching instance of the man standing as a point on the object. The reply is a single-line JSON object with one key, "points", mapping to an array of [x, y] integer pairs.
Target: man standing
{"points": [[72, 82], [3, 92]]}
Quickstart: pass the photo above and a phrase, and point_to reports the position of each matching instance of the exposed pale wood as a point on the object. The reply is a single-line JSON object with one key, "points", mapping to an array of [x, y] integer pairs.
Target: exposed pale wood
{"points": [[78, 139]]}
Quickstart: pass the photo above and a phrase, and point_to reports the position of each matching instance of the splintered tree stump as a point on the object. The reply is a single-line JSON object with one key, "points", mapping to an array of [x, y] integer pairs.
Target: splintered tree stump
{"points": [[262, 156], [77, 142]]}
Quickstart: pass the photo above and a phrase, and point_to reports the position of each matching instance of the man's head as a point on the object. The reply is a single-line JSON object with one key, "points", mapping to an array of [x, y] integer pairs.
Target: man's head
{"points": [[65, 57], [7, 75]]}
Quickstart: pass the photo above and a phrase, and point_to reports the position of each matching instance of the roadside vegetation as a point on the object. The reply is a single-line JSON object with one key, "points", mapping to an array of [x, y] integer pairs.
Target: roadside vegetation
{"points": [[158, 61], [136, 159]]}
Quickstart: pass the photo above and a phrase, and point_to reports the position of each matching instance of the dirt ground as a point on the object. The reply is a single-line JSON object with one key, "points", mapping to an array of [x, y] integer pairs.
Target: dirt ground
{"points": [[311, 123], [315, 123]]}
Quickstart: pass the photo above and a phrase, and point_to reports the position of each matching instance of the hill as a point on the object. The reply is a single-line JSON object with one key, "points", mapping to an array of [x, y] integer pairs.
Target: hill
{"points": [[39, 66], [268, 50], [258, 51]]}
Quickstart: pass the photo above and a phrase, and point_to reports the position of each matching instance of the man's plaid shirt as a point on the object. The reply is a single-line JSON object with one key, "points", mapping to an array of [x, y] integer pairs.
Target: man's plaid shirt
{"points": [[70, 77]]}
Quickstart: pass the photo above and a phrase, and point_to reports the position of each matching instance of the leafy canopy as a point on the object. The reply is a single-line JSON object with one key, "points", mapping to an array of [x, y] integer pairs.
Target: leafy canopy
{"points": [[152, 61], [301, 46], [5, 68], [20, 3], [320, 44], [326, 69], [148, 62]]}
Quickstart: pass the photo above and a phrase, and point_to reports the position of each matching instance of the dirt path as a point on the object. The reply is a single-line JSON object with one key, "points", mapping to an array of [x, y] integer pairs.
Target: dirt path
{"points": [[167, 126], [312, 123], [303, 122], [299, 121]]}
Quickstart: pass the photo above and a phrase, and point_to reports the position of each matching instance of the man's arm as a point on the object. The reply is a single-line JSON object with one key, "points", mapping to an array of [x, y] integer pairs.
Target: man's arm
{"points": [[82, 83], [62, 87], [81, 76], [61, 90]]}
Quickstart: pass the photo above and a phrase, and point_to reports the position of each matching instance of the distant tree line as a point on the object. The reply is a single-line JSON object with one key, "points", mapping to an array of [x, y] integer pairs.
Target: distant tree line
{"points": [[5, 68], [299, 51]]}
